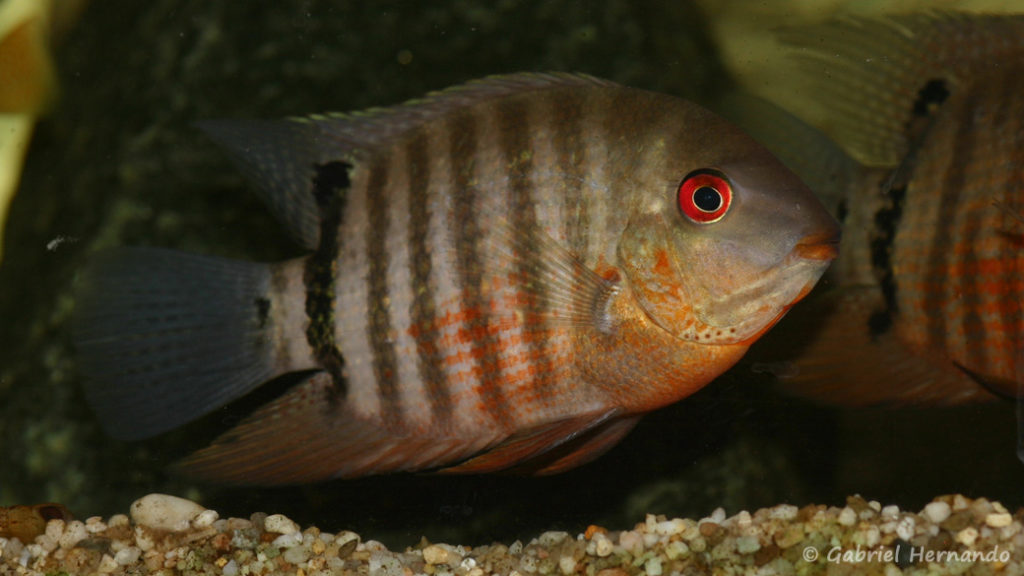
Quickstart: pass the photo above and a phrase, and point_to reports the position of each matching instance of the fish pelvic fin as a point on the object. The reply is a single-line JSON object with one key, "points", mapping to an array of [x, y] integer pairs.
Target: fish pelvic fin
{"points": [[164, 337], [842, 348]]}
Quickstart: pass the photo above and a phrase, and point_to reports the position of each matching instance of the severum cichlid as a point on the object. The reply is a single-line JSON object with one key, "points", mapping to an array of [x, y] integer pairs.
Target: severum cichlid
{"points": [[930, 279], [503, 275]]}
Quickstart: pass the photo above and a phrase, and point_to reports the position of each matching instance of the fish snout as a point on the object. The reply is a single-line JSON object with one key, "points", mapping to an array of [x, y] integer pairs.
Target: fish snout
{"points": [[821, 246]]}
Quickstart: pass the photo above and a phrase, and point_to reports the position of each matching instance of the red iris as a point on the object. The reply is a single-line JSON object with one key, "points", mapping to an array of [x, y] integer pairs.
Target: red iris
{"points": [[705, 196]]}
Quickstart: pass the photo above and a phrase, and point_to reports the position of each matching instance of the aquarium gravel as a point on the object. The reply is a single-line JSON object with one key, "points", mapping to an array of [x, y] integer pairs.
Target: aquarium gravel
{"points": [[169, 535]]}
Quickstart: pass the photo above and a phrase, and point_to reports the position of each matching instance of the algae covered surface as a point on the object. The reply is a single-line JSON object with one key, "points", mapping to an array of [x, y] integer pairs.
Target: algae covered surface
{"points": [[119, 162]]}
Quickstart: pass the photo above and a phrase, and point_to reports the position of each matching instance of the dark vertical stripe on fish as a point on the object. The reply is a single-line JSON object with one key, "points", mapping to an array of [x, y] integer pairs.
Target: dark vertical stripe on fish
{"points": [[515, 146], [941, 251], [378, 300], [971, 301], [424, 310], [467, 212], [330, 187], [572, 161]]}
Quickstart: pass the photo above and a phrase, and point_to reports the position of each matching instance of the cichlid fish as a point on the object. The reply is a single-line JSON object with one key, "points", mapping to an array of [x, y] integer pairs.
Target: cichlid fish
{"points": [[930, 278], [504, 275]]}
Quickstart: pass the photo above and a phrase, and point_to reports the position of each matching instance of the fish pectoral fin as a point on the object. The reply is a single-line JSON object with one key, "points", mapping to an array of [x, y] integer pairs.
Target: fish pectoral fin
{"points": [[555, 281], [535, 449], [310, 434]]}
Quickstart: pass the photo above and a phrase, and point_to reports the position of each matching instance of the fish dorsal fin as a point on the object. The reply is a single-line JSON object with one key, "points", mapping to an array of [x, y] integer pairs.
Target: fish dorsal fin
{"points": [[868, 82], [284, 159], [376, 127]]}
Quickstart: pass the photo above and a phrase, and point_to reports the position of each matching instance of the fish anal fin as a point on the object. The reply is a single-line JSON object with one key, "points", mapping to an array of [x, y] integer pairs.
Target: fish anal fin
{"points": [[1003, 387], [311, 434], [518, 451], [593, 444]]}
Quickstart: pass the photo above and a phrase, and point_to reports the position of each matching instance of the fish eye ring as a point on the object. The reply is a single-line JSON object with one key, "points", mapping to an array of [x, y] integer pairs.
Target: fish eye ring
{"points": [[705, 196]]}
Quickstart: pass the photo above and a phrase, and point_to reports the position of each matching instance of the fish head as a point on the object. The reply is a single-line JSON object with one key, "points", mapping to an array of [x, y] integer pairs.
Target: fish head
{"points": [[720, 254]]}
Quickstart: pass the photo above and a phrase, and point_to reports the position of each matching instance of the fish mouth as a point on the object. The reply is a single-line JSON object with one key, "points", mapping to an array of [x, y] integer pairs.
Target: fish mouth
{"points": [[822, 247]]}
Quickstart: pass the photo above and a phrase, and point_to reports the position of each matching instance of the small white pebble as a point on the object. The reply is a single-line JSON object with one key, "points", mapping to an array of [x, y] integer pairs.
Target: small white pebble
{"points": [[288, 540], [143, 540], [55, 529], [126, 556], [107, 564], [46, 543], [296, 555], [95, 525], [937, 512], [230, 569], [967, 536], [784, 512], [567, 564], [280, 524], [960, 502], [747, 545], [74, 533], [441, 554], [847, 517], [632, 542], [670, 527], [872, 537], [164, 512], [118, 520], [998, 519], [905, 528], [998, 507], [676, 549], [875, 505], [205, 519], [743, 519], [653, 566], [718, 516], [890, 511], [602, 545], [552, 538]]}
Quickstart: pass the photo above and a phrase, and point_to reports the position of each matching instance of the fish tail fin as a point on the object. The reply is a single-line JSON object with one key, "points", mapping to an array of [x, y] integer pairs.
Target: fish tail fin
{"points": [[164, 337]]}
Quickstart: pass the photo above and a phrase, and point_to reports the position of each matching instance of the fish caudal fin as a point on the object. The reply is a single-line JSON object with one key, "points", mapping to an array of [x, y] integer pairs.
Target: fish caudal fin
{"points": [[165, 337]]}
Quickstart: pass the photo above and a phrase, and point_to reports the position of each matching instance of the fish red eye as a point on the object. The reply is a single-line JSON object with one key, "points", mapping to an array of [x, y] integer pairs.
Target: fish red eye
{"points": [[705, 196]]}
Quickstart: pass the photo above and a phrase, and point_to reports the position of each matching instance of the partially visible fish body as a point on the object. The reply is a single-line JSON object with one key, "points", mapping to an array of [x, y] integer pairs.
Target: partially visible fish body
{"points": [[500, 277], [931, 272]]}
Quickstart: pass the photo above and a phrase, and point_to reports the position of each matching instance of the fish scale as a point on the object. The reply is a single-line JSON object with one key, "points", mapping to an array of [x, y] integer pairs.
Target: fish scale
{"points": [[484, 302]]}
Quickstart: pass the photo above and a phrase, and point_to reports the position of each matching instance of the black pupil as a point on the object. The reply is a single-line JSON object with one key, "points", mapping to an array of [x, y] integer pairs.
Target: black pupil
{"points": [[707, 199]]}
